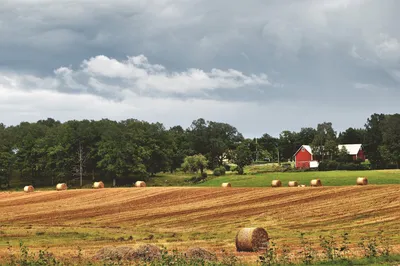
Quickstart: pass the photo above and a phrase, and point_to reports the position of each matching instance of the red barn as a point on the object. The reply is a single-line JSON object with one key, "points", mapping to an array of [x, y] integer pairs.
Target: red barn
{"points": [[304, 157]]}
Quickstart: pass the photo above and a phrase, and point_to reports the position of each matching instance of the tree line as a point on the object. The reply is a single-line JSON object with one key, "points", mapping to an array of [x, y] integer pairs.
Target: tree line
{"points": [[48, 151]]}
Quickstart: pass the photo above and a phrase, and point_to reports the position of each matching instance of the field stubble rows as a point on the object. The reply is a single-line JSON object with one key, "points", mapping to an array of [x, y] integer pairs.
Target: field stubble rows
{"points": [[185, 217]]}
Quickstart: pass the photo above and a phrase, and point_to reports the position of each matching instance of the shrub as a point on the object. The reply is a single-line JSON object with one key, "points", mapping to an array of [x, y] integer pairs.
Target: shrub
{"points": [[222, 170], [217, 172], [233, 167], [240, 170], [204, 175], [227, 167]]}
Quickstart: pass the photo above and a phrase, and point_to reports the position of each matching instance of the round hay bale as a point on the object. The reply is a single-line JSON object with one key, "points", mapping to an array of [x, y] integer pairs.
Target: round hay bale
{"points": [[61, 186], [28, 189], [140, 184], [276, 183], [226, 185], [362, 181], [315, 183], [293, 184], [98, 185], [252, 239]]}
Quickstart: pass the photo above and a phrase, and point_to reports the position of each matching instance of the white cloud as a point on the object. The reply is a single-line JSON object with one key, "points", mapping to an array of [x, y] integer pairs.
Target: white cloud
{"points": [[109, 77]]}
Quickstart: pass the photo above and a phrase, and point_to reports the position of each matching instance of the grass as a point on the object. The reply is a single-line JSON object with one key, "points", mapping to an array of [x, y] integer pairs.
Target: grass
{"points": [[328, 178], [256, 176]]}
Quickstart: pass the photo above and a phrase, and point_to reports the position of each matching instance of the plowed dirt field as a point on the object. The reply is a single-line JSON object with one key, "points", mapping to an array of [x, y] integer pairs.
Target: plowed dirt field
{"points": [[186, 217]]}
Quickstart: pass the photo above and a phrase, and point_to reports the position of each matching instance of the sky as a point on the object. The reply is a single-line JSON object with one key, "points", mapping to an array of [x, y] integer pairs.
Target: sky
{"points": [[263, 66]]}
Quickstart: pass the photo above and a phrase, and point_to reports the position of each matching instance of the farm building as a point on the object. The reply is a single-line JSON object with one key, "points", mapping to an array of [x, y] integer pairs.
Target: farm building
{"points": [[355, 150], [304, 157]]}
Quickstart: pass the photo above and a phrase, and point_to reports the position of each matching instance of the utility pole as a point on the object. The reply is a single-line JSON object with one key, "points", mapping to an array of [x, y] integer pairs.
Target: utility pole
{"points": [[277, 148], [80, 163], [256, 151]]}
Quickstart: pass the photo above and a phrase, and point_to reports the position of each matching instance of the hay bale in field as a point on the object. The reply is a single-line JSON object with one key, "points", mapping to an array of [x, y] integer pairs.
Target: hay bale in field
{"points": [[252, 239], [276, 183], [148, 252], [315, 183], [61, 186], [115, 253], [28, 189], [226, 185], [140, 184], [200, 254], [98, 184], [145, 253], [301, 186], [293, 184], [362, 181]]}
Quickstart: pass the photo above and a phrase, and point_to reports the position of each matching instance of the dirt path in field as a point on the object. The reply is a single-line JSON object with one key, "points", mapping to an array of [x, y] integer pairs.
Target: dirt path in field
{"points": [[182, 217]]}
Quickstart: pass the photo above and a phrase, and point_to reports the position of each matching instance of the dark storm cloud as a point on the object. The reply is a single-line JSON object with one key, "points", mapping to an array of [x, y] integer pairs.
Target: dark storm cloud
{"points": [[330, 54]]}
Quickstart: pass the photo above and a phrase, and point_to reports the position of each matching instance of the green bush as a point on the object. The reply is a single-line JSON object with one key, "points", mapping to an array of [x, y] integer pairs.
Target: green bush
{"points": [[217, 172], [240, 170], [227, 167], [222, 170], [330, 165], [204, 175]]}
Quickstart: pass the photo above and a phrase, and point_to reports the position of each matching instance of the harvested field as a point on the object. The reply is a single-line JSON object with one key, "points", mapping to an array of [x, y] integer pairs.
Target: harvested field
{"points": [[181, 217]]}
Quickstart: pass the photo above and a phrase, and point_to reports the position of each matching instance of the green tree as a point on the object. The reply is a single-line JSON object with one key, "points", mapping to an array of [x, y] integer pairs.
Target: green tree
{"points": [[391, 139], [352, 136], [269, 144], [374, 139], [195, 163], [213, 139], [324, 141], [287, 144], [343, 155], [305, 136], [243, 155]]}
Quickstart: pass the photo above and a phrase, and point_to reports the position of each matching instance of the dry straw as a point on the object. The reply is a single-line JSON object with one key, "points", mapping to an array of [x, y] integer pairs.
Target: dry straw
{"points": [[293, 184], [276, 183], [362, 181], [98, 184], [316, 183], [252, 239], [61, 186], [226, 185], [29, 189], [140, 184]]}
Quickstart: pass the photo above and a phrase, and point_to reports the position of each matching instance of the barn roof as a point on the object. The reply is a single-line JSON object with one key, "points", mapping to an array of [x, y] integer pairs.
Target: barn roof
{"points": [[352, 149], [307, 147]]}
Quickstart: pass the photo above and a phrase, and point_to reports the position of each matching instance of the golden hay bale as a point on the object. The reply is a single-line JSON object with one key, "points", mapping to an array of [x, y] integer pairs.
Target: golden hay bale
{"points": [[362, 181], [61, 186], [29, 189], [140, 184], [293, 184], [315, 183], [226, 185], [252, 239], [276, 183], [98, 184]]}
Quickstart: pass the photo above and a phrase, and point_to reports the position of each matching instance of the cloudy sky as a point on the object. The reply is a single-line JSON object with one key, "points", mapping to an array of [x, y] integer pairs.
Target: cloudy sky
{"points": [[260, 65]]}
